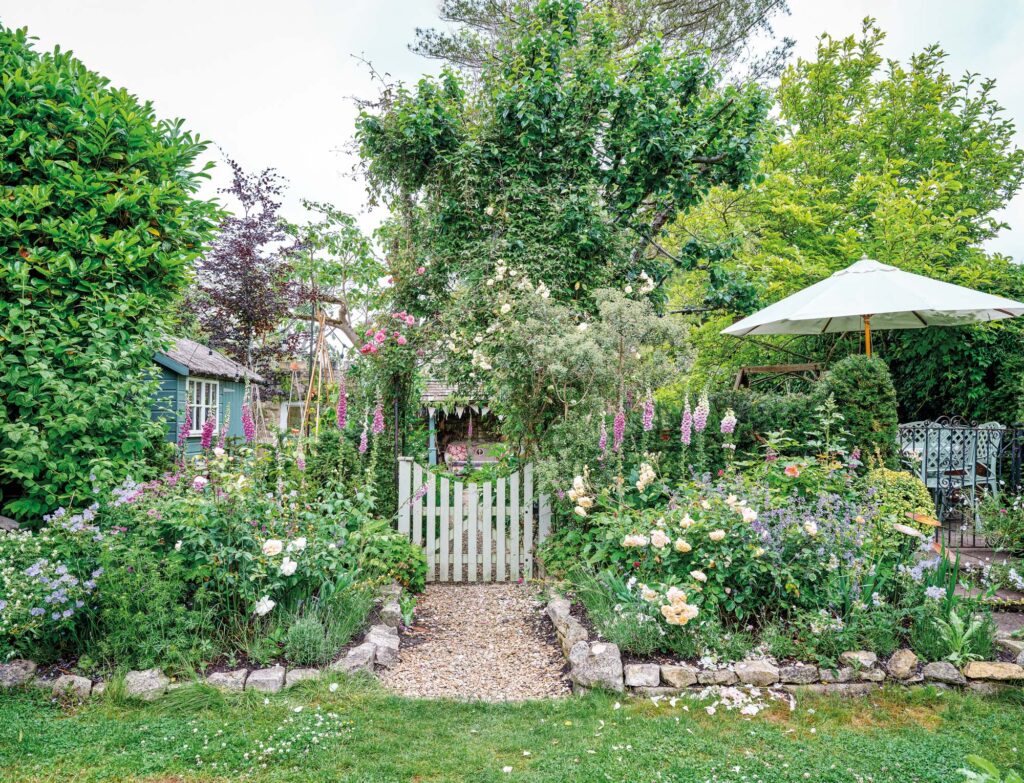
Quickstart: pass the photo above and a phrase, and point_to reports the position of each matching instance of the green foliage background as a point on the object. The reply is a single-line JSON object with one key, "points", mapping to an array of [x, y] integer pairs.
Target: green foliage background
{"points": [[99, 225], [901, 162]]}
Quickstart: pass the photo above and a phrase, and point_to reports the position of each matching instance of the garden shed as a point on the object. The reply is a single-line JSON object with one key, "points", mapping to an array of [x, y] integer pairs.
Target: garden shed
{"points": [[458, 430], [213, 384]]}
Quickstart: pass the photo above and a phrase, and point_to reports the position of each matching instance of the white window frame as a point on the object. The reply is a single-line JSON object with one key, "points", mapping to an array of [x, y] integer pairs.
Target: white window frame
{"points": [[201, 404]]}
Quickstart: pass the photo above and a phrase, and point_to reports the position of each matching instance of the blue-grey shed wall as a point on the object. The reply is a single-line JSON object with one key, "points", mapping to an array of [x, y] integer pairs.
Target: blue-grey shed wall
{"points": [[169, 406]]}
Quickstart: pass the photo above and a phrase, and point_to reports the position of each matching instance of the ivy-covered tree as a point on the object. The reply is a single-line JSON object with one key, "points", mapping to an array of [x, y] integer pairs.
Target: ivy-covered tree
{"points": [[553, 172], [903, 163], [99, 225]]}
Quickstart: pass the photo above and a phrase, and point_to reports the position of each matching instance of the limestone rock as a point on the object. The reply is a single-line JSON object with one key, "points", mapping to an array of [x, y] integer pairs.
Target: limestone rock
{"points": [[646, 675], [572, 631], [871, 675], [840, 675], [661, 690], [859, 659], [944, 672], [983, 688], [596, 665], [229, 681], [1015, 647], [903, 664], [99, 688], [6, 523], [558, 610], [16, 672], [840, 688], [799, 674], [298, 675], [1020, 659], [266, 680], [390, 592], [679, 676], [391, 614], [146, 685], [358, 659], [385, 639], [72, 683], [758, 672], [991, 670], [717, 677]]}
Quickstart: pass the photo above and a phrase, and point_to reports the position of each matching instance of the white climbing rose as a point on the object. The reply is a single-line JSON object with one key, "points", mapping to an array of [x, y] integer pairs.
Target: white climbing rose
{"points": [[288, 567]]}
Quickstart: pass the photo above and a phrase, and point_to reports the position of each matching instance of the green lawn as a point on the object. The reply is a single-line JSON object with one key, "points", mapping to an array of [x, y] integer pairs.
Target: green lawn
{"points": [[361, 734]]}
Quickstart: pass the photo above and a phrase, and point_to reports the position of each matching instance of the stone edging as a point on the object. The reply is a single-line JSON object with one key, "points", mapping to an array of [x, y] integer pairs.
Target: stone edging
{"points": [[598, 664], [379, 648]]}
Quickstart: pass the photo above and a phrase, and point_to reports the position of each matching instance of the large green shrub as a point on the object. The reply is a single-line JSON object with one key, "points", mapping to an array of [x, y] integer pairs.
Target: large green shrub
{"points": [[99, 224], [866, 399]]}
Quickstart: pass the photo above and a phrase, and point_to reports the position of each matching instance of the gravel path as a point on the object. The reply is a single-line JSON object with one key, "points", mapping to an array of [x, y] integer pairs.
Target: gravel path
{"points": [[489, 642]]}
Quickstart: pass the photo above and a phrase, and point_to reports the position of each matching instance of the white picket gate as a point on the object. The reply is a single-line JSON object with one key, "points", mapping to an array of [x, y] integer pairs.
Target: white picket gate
{"points": [[476, 532]]}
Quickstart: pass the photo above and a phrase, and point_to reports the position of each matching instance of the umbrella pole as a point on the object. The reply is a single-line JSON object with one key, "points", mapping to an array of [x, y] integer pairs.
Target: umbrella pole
{"points": [[867, 334]]}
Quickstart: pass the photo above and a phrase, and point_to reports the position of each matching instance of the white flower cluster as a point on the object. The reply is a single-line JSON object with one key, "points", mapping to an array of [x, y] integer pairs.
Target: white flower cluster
{"points": [[580, 494], [646, 477], [273, 547]]}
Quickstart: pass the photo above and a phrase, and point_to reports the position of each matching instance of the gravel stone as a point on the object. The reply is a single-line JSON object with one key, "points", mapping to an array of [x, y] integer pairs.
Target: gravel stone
{"points": [[266, 680], [16, 672], [642, 675], [484, 641], [229, 681]]}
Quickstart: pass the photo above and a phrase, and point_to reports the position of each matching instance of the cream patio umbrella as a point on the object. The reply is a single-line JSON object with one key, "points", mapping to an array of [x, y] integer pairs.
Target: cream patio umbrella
{"points": [[869, 295]]}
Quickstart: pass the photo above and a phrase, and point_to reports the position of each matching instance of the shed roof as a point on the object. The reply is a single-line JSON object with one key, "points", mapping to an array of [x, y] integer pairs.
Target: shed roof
{"points": [[187, 357]]}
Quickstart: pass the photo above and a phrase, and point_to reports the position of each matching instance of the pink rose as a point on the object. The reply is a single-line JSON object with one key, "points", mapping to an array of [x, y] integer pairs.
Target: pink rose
{"points": [[421, 270], [409, 320], [380, 336], [401, 340]]}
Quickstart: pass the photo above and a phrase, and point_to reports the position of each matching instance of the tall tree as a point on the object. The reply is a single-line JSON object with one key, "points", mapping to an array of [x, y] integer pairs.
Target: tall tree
{"points": [[99, 225], [552, 173], [244, 290], [903, 163], [723, 28], [336, 268]]}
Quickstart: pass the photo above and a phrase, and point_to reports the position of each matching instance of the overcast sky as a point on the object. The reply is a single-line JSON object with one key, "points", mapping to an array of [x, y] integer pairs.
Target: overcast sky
{"points": [[270, 81]]}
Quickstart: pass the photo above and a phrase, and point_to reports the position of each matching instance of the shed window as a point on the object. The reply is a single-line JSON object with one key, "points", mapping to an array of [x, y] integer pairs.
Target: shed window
{"points": [[204, 397]]}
